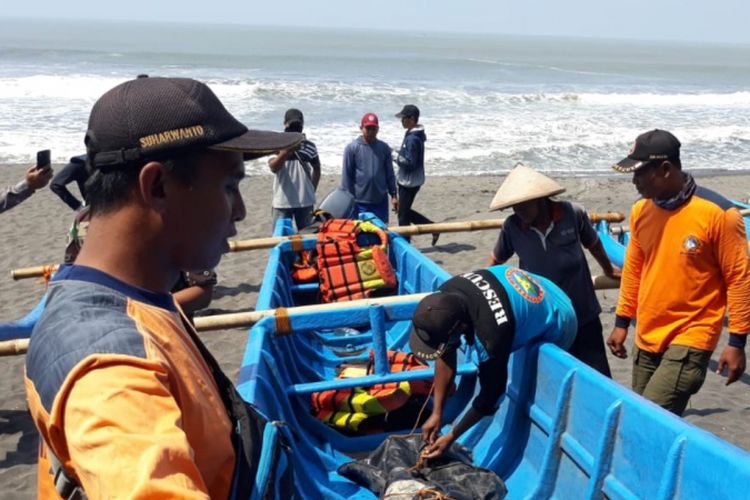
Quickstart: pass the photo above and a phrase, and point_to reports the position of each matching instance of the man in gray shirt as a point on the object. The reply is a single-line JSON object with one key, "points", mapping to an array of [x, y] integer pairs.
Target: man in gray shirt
{"points": [[548, 237], [297, 175], [36, 178]]}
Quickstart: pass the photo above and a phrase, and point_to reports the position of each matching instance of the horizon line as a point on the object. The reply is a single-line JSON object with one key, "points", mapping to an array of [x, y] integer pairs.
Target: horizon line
{"points": [[355, 29]]}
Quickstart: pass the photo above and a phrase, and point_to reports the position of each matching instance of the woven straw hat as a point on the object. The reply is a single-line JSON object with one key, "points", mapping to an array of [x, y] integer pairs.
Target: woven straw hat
{"points": [[524, 184]]}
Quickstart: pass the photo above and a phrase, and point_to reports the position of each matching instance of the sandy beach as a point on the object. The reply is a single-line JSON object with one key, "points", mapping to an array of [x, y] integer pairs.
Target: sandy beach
{"points": [[34, 233]]}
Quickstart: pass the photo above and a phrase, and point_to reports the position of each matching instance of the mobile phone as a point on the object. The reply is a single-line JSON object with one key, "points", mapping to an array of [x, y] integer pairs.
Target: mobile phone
{"points": [[43, 158]]}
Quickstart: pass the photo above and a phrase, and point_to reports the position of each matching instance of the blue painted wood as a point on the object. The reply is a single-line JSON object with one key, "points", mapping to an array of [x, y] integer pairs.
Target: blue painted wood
{"points": [[562, 430], [21, 328], [379, 343]]}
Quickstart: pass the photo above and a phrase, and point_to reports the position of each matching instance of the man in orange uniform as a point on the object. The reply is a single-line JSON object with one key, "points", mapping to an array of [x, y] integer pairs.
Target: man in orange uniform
{"points": [[686, 261], [127, 400]]}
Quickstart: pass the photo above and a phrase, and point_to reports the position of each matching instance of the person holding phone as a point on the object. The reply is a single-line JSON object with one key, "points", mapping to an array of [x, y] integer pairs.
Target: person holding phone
{"points": [[297, 172], [36, 178]]}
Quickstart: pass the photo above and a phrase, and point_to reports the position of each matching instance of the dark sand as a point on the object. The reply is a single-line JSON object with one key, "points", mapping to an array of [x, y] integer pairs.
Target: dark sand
{"points": [[34, 233]]}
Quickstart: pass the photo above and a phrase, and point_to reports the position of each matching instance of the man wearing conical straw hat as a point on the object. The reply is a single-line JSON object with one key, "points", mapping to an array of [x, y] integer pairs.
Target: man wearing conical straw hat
{"points": [[548, 237]]}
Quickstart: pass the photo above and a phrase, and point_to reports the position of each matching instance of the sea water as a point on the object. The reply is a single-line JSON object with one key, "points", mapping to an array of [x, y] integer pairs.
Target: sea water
{"points": [[564, 105]]}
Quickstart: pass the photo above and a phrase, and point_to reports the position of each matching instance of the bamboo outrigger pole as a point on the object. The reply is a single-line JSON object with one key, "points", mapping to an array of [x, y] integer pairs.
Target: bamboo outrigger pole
{"points": [[247, 319], [438, 227], [261, 243]]}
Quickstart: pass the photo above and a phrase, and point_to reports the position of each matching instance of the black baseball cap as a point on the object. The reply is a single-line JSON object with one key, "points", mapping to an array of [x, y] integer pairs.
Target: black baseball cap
{"points": [[293, 115], [151, 118], [410, 111], [653, 145], [436, 320]]}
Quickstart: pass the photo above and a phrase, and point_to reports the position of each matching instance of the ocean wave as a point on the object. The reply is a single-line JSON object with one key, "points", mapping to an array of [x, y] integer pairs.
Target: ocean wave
{"points": [[56, 86], [478, 129], [731, 99], [89, 87]]}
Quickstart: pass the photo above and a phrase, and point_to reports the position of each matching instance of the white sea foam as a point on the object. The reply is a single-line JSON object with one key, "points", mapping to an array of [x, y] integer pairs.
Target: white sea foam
{"points": [[472, 128]]}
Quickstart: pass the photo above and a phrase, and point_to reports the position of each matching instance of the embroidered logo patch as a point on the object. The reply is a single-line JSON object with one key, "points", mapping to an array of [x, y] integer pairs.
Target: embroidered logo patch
{"points": [[525, 285], [691, 244]]}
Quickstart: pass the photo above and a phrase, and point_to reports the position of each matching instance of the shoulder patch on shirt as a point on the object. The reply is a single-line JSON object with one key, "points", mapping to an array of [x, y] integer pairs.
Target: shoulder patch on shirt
{"points": [[526, 286]]}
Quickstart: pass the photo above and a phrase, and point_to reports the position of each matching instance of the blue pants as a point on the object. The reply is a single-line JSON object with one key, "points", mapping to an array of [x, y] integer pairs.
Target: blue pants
{"points": [[379, 209]]}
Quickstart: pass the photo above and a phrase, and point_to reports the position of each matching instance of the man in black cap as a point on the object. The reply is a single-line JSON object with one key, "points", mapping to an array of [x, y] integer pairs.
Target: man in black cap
{"points": [[685, 263], [499, 310], [127, 400], [297, 176], [410, 161]]}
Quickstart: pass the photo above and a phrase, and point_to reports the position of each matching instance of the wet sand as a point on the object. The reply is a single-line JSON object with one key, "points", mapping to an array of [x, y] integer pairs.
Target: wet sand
{"points": [[34, 233]]}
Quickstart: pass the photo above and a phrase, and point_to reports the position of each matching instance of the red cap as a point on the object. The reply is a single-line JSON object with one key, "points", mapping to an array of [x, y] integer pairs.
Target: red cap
{"points": [[370, 120]]}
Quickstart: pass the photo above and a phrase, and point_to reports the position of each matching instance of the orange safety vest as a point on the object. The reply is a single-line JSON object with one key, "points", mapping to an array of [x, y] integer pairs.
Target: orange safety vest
{"points": [[347, 409], [347, 270]]}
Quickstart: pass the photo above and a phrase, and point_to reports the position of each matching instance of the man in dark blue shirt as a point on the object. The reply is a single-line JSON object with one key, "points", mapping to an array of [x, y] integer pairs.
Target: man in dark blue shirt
{"points": [[368, 170]]}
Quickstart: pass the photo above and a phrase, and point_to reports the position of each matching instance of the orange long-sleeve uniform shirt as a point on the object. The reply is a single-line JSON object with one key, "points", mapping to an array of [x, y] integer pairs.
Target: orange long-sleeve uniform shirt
{"points": [[682, 269], [123, 397]]}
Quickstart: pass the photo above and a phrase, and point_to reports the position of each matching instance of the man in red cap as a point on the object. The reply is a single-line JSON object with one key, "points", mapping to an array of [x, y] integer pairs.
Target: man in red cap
{"points": [[368, 170]]}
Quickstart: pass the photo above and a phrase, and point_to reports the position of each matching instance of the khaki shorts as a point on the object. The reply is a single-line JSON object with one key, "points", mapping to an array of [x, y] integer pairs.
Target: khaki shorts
{"points": [[669, 378]]}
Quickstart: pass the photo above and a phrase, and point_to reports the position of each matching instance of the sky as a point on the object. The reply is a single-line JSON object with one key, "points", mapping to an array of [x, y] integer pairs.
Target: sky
{"points": [[723, 21]]}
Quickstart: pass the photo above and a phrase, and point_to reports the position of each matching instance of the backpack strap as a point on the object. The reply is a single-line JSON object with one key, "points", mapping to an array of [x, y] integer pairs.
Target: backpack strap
{"points": [[65, 484], [249, 431]]}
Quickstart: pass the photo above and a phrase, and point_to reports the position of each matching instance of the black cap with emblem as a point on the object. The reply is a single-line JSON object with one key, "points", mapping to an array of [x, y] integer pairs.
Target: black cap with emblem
{"points": [[649, 146], [151, 118], [436, 321]]}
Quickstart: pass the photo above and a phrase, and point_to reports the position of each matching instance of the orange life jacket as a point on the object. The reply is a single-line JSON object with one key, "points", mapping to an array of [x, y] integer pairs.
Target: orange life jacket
{"points": [[347, 409], [347, 270], [303, 268]]}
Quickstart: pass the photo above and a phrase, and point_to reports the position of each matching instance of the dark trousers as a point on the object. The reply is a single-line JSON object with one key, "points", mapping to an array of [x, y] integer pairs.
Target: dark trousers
{"points": [[670, 378], [589, 347], [406, 215]]}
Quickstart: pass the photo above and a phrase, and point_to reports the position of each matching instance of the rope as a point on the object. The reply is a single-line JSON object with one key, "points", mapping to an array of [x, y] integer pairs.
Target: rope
{"points": [[283, 322], [420, 461], [424, 405], [47, 272], [423, 493]]}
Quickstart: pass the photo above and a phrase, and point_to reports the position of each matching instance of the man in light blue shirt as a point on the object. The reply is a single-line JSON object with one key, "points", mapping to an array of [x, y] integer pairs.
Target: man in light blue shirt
{"points": [[368, 170], [498, 310]]}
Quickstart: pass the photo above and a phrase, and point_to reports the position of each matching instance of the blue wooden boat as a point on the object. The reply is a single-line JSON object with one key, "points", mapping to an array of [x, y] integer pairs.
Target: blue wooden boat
{"points": [[614, 244], [562, 431], [21, 328]]}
